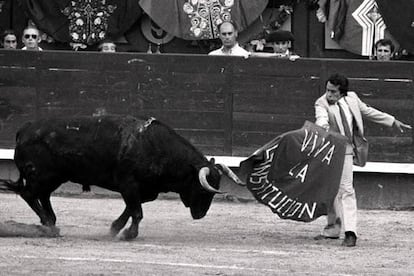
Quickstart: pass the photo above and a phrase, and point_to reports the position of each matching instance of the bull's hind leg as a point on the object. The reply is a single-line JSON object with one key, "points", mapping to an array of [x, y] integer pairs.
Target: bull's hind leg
{"points": [[34, 203], [40, 201], [47, 206]]}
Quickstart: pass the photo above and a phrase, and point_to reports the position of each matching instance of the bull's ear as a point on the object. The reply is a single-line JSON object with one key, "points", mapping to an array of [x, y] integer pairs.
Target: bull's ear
{"points": [[212, 160], [184, 199]]}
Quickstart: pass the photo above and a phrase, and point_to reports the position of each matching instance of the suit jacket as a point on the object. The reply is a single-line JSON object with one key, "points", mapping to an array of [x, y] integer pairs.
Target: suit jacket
{"points": [[329, 117]]}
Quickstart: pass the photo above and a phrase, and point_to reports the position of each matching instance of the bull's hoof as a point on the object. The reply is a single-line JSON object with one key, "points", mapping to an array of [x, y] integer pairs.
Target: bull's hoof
{"points": [[115, 228], [48, 223], [16, 229], [114, 231], [128, 235], [50, 231]]}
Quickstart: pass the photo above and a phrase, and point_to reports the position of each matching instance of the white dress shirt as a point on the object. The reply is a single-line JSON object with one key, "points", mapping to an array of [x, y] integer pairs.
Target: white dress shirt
{"points": [[236, 50]]}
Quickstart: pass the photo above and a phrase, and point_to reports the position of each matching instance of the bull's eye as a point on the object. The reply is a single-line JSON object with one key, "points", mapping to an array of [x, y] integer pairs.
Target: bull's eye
{"points": [[219, 169]]}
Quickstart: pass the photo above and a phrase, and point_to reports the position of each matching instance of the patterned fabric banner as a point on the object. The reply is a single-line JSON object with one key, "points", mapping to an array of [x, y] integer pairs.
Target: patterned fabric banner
{"points": [[198, 19], [297, 174], [82, 21]]}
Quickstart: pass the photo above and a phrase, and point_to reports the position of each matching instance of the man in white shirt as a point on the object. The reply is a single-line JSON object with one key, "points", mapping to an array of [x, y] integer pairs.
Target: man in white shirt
{"points": [[228, 37], [31, 39]]}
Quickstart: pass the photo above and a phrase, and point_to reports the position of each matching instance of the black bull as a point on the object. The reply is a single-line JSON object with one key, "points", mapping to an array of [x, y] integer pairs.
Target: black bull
{"points": [[136, 158]]}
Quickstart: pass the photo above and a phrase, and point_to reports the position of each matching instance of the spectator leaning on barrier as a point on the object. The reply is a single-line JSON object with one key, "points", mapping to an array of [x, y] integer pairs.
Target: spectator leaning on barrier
{"points": [[384, 50], [9, 39], [228, 36], [31, 39], [280, 41], [342, 111]]}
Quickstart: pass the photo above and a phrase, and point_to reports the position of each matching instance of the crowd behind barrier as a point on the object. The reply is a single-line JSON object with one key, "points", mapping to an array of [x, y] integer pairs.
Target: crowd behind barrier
{"points": [[272, 43]]}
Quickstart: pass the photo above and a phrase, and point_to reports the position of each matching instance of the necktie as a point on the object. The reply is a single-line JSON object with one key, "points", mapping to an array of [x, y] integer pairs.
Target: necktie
{"points": [[345, 123]]}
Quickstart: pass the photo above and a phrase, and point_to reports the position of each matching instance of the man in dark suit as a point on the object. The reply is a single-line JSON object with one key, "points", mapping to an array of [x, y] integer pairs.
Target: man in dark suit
{"points": [[340, 110]]}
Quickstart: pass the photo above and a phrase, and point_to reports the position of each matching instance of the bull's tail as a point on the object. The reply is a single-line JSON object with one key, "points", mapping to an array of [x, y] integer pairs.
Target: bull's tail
{"points": [[13, 186]]}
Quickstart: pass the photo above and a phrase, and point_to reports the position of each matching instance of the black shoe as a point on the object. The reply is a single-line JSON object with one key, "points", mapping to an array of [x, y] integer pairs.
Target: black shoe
{"points": [[350, 239], [323, 237]]}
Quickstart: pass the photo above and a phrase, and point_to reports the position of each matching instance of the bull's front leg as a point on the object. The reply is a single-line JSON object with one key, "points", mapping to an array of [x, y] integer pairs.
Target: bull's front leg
{"points": [[135, 212], [119, 223], [129, 189]]}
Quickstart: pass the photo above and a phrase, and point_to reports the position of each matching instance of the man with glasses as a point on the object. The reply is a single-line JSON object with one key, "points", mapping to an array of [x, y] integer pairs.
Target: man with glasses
{"points": [[9, 39], [31, 39], [228, 37]]}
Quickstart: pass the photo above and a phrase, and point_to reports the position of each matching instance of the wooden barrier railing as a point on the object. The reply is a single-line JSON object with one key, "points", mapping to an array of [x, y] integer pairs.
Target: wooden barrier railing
{"points": [[223, 105]]}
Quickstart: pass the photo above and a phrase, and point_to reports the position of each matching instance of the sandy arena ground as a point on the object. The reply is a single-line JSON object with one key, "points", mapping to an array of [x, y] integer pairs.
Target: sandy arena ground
{"points": [[233, 239]]}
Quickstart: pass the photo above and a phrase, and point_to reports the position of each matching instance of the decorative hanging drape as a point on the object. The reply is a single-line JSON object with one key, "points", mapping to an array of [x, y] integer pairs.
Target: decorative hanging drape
{"points": [[399, 18], [198, 19], [82, 21]]}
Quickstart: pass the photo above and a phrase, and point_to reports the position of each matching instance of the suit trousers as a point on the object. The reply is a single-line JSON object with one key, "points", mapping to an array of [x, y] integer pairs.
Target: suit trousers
{"points": [[344, 212]]}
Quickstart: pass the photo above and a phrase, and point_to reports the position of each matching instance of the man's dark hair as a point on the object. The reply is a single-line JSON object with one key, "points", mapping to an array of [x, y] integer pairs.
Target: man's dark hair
{"points": [[341, 81], [106, 40], [6, 33], [231, 22], [385, 42]]}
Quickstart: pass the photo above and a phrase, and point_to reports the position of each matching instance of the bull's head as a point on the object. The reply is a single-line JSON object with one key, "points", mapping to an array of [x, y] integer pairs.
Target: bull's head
{"points": [[201, 196]]}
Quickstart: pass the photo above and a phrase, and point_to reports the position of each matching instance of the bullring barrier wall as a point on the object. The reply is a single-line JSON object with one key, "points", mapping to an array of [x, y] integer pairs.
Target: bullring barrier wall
{"points": [[226, 106]]}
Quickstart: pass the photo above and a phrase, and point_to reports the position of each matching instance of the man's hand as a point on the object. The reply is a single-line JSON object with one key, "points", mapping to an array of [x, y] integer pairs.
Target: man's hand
{"points": [[401, 126]]}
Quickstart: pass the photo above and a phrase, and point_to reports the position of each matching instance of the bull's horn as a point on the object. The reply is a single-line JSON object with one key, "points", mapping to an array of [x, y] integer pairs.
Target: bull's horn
{"points": [[232, 175], [202, 176]]}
